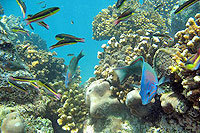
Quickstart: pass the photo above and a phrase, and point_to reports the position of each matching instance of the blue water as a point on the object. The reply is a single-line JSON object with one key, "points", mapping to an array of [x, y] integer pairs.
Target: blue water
{"points": [[82, 12]]}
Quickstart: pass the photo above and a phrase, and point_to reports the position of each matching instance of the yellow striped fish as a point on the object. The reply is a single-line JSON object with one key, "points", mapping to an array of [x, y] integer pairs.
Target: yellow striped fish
{"points": [[185, 5], [22, 6]]}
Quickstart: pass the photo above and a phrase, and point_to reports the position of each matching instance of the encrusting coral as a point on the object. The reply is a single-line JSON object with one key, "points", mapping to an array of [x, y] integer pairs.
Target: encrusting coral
{"points": [[99, 99], [12, 124]]}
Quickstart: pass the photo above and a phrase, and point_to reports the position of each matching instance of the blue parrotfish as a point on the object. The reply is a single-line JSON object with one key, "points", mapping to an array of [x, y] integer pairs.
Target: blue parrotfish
{"points": [[71, 71], [193, 63], [134, 68], [149, 80], [149, 84]]}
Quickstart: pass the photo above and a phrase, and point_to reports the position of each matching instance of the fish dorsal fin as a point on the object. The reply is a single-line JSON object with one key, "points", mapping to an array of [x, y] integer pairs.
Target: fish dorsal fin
{"points": [[163, 80]]}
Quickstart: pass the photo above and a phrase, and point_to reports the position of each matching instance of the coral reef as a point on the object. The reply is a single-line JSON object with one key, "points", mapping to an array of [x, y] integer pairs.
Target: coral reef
{"points": [[178, 21], [168, 59], [12, 124], [12, 114], [99, 100], [6, 25], [187, 44], [172, 102], [42, 64], [103, 28], [73, 111], [134, 103], [36, 109], [1, 10], [123, 52]]}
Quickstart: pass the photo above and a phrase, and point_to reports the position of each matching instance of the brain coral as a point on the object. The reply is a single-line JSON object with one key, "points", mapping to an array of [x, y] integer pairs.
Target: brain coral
{"points": [[99, 99]]}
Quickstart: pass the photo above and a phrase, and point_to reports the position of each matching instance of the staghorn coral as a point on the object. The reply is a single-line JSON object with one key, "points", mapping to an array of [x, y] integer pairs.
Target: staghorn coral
{"points": [[73, 111], [103, 28]]}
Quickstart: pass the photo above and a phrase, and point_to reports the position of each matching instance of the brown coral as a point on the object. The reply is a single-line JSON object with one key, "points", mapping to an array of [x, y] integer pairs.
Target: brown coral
{"points": [[103, 27]]}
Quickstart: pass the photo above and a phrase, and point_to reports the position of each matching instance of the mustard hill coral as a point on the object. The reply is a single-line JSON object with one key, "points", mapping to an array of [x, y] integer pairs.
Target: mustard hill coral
{"points": [[73, 112], [103, 28]]}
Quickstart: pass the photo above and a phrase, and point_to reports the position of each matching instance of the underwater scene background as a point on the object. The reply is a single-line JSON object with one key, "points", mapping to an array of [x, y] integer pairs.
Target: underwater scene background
{"points": [[128, 66]]}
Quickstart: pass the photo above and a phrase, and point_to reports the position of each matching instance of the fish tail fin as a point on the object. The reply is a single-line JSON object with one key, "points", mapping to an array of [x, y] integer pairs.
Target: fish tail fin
{"points": [[163, 80], [122, 73], [27, 21], [47, 27], [116, 22], [51, 48], [80, 55], [82, 39]]}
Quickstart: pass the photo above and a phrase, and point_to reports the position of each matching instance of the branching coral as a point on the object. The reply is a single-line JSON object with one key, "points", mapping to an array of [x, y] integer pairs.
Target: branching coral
{"points": [[169, 62], [42, 64], [188, 41], [73, 112], [103, 28], [122, 53], [6, 25]]}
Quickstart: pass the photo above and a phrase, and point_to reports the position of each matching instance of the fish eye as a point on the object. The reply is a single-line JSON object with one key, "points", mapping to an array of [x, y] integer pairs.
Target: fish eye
{"points": [[148, 93]]}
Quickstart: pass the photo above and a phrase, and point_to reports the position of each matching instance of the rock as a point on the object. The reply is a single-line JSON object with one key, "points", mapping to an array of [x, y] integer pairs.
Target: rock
{"points": [[134, 103], [99, 100], [12, 124]]}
